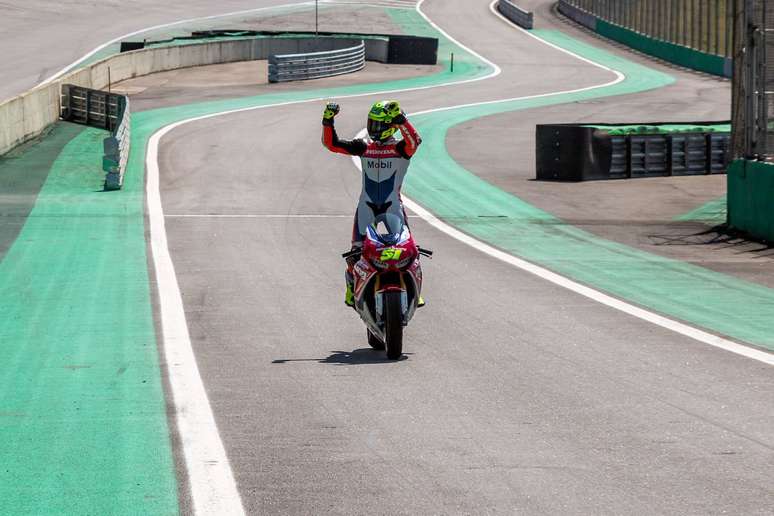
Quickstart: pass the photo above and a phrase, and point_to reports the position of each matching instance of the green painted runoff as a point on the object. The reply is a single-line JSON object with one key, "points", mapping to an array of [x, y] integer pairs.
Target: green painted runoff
{"points": [[82, 418]]}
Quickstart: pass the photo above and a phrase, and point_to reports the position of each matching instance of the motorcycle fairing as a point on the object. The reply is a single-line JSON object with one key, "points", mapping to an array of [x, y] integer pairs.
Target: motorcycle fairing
{"points": [[363, 272]]}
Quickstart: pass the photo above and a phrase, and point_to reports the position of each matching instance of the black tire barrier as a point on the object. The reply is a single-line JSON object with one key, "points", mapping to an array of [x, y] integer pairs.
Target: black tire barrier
{"points": [[412, 50], [578, 152]]}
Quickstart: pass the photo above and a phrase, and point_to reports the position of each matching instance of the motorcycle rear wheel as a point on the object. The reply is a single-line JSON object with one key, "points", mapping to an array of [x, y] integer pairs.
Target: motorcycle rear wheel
{"points": [[393, 325], [374, 341]]}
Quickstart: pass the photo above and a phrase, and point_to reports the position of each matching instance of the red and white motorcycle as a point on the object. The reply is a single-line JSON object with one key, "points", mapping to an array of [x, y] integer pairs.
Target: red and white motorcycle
{"points": [[387, 282]]}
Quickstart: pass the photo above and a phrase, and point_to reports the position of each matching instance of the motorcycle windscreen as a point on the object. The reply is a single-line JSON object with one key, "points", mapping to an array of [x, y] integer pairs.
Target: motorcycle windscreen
{"points": [[388, 228]]}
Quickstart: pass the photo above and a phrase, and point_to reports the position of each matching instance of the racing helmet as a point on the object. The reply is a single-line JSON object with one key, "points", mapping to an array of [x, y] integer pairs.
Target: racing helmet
{"points": [[380, 120]]}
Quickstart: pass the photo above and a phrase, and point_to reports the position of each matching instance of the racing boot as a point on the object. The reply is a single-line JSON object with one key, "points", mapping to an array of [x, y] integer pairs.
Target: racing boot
{"points": [[349, 294]]}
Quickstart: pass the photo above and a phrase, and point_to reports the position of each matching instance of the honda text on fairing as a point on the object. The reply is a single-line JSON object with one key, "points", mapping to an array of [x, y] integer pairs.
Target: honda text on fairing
{"points": [[383, 275]]}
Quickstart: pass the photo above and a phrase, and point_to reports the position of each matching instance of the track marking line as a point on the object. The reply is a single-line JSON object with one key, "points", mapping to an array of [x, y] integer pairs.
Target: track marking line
{"points": [[213, 487], [253, 216], [596, 295]]}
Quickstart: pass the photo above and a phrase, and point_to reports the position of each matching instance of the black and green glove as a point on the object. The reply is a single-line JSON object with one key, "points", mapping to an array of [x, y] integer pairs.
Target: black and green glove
{"points": [[393, 110], [331, 110]]}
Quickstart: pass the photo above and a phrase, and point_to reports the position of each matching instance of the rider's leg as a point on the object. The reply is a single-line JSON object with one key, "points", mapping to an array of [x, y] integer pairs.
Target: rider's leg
{"points": [[357, 243]]}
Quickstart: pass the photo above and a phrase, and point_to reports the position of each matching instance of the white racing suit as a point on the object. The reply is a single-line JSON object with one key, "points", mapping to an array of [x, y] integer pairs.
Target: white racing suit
{"points": [[384, 167]]}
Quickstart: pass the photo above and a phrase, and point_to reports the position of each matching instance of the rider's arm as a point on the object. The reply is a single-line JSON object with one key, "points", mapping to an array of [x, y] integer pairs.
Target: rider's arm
{"points": [[410, 143], [332, 142]]}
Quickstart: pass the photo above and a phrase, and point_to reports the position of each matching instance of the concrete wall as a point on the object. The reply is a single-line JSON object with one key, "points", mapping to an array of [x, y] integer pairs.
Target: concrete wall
{"points": [[26, 116]]}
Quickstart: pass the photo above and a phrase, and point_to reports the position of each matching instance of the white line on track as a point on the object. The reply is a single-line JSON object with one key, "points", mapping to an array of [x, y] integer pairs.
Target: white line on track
{"points": [[253, 216], [213, 488], [641, 313]]}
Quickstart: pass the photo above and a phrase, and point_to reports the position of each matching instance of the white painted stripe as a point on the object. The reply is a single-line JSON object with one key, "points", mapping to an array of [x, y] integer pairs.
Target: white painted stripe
{"points": [[253, 216], [213, 488], [651, 317]]}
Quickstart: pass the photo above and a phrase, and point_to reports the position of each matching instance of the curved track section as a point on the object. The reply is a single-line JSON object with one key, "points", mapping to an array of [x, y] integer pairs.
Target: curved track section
{"points": [[516, 395]]}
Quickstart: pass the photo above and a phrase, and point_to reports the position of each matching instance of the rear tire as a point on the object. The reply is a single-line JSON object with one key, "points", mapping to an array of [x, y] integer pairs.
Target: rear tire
{"points": [[393, 325], [374, 341]]}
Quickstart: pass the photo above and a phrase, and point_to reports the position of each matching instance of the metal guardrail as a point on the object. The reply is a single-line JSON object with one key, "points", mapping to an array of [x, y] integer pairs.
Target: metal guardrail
{"points": [[753, 88], [315, 65], [116, 149], [105, 110], [516, 14]]}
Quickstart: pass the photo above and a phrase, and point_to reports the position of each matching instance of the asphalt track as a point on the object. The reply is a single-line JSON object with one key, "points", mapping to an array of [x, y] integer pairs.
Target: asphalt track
{"points": [[515, 396]]}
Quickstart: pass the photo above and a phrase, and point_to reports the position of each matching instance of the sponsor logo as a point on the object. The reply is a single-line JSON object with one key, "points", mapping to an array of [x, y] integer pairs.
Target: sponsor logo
{"points": [[382, 152], [379, 164], [360, 271]]}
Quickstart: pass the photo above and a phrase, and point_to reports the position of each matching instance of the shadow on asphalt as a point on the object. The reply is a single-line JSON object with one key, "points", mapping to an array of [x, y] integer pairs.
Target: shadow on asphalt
{"points": [[360, 356], [721, 236]]}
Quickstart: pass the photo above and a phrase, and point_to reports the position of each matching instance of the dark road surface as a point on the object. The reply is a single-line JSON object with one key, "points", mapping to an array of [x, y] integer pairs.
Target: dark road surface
{"points": [[516, 396]]}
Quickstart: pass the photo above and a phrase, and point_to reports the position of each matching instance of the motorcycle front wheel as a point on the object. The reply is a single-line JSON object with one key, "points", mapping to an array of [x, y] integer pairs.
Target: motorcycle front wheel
{"points": [[374, 341], [393, 325]]}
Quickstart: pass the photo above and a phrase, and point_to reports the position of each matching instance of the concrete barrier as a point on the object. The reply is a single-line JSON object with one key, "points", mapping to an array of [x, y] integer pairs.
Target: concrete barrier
{"points": [[26, 116], [516, 14]]}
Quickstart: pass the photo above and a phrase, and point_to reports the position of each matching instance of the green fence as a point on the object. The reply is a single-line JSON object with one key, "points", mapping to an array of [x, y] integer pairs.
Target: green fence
{"points": [[704, 25]]}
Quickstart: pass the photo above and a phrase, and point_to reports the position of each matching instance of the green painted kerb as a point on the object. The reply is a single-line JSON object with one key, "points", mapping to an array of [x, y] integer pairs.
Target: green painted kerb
{"points": [[714, 212], [718, 302], [678, 54], [83, 427], [751, 198], [661, 128]]}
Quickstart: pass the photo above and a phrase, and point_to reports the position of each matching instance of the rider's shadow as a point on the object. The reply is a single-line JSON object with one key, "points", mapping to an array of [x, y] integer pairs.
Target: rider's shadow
{"points": [[360, 356]]}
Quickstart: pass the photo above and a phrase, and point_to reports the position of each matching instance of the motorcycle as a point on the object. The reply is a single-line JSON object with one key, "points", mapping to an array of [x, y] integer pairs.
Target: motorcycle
{"points": [[387, 282]]}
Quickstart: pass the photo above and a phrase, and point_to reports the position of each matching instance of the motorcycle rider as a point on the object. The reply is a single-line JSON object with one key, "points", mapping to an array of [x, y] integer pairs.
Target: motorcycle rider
{"points": [[385, 161]]}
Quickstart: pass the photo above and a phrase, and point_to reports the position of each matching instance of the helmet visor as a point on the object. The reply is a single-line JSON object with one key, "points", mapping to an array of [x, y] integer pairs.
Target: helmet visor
{"points": [[379, 130]]}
